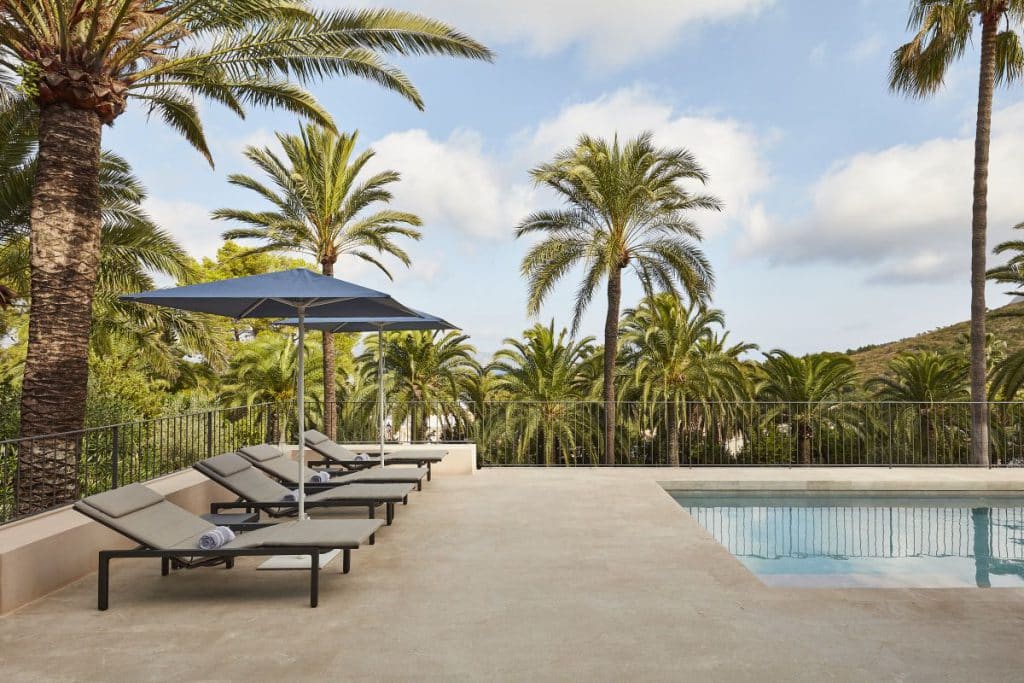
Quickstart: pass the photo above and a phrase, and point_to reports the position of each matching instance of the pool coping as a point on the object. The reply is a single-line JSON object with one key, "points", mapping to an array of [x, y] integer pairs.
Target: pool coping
{"points": [[826, 485]]}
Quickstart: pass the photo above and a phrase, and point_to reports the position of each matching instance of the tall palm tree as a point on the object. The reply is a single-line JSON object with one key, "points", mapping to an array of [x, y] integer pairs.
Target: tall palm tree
{"points": [[81, 61], [543, 375], [264, 370], [677, 358], [132, 250], [625, 207], [427, 372], [321, 206], [943, 30], [809, 391], [920, 383]]}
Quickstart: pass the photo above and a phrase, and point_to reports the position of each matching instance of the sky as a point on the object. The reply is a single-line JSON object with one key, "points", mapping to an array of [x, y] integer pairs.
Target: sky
{"points": [[847, 207]]}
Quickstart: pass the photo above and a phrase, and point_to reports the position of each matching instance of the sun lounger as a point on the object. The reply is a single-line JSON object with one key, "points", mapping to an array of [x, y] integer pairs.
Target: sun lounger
{"points": [[257, 491], [271, 460], [164, 530], [336, 454]]}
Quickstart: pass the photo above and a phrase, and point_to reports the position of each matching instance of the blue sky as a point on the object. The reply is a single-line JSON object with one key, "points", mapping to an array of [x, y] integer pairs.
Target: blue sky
{"points": [[847, 218]]}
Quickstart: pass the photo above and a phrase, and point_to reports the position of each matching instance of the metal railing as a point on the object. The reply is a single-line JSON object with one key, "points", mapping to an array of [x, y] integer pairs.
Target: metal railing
{"points": [[44, 472], [749, 433], [741, 433]]}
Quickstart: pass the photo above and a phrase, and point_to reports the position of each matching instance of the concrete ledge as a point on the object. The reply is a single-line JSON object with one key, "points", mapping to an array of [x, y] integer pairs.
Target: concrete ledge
{"points": [[845, 479], [48, 551]]}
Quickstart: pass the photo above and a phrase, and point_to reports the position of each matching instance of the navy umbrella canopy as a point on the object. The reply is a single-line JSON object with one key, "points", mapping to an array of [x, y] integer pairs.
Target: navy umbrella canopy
{"points": [[419, 321], [279, 295]]}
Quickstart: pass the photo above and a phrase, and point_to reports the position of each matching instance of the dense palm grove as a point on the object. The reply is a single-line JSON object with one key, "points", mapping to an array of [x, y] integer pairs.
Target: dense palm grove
{"points": [[664, 384]]}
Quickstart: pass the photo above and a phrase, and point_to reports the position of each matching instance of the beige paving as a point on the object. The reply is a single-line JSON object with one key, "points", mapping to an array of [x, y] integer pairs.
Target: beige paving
{"points": [[524, 575]]}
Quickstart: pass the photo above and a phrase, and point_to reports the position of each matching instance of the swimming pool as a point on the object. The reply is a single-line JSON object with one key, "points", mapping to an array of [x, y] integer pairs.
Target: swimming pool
{"points": [[843, 540]]}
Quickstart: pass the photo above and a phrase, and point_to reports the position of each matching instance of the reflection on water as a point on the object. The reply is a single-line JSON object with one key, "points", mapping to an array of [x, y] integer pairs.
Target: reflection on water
{"points": [[847, 542]]}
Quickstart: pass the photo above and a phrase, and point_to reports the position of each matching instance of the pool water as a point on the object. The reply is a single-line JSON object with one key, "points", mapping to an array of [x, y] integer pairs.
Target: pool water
{"points": [[830, 541]]}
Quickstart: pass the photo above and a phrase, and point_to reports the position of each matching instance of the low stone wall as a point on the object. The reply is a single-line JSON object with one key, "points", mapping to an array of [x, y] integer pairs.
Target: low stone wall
{"points": [[48, 551]]}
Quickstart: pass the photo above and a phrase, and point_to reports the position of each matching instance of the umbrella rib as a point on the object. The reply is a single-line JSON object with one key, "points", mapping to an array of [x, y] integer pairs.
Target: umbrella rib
{"points": [[250, 309]]}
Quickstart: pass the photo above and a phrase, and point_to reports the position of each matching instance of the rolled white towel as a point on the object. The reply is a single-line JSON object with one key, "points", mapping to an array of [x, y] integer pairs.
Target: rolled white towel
{"points": [[320, 478], [216, 537], [362, 457], [290, 497]]}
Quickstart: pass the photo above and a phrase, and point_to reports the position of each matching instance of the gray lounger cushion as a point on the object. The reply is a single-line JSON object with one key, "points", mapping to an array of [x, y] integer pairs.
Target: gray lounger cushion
{"points": [[158, 524], [253, 485], [125, 500], [227, 464], [287, 470], [237, 474], [262, 452], [320, 443], [322, 533], [367, 492], [282, 467], [403, 474], [333, 451], [313, 436], [166, 526]]}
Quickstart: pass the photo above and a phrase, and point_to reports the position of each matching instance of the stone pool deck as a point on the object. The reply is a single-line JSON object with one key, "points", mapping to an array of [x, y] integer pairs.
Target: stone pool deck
{"points": [[530, 574]]}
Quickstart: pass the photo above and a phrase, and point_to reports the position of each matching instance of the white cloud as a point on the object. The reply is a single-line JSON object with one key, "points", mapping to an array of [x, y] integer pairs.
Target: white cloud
{"points": [[731, 152], [187, 222], [611, 33], [818, 54], [905, 211], [453, 182], [456, 183], [867, 47]]}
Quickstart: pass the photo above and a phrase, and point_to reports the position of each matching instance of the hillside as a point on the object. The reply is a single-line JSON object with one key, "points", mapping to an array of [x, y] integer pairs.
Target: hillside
{"points": [[873, 360]]}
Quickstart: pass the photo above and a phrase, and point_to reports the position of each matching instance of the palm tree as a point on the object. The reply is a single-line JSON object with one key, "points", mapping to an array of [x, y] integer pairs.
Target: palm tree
{"points": [[809, 391], [264, 371], [1007, 375], [482, 395], [677, 358], [943, 31], [321, 208], [81, 62], [132, 250], [921, 380], [543, 374], [427, 372], [625, 208]]}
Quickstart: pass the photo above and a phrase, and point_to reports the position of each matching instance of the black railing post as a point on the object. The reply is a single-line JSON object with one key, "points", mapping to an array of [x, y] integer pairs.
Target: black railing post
{"points": [[209, 434], [115, 455]]}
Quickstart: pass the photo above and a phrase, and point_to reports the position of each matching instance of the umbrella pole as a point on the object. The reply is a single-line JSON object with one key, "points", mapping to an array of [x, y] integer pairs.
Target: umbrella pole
{"points": [[300, 392], [380, 387]]}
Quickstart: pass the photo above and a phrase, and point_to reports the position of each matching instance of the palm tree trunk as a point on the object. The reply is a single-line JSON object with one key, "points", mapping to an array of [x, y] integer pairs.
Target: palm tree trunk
{"points": [[330, 373], [673, 434], [979, 226], [611, 345], [803, 432], [927, 443], [65, 251]]}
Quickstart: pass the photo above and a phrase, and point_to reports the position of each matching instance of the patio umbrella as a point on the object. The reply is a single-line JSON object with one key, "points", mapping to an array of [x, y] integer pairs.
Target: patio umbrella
{"points": [[418, 321], [278, 295]]}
